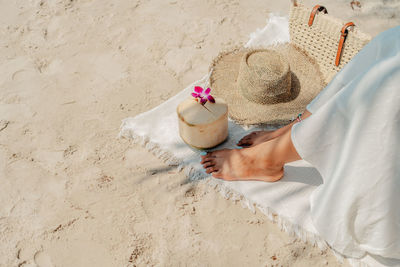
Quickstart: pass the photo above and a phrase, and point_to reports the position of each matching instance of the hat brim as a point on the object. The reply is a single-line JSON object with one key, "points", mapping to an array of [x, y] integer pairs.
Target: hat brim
{"points": [[307, 81]]}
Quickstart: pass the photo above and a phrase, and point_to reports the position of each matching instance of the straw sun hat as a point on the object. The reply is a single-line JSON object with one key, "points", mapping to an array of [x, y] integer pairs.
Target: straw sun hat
{"points": [[265, 85]]}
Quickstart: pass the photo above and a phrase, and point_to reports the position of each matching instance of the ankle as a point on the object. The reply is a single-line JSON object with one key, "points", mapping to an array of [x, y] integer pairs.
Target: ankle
{"points": [[280, 151], [289, 152], [270, 154]]}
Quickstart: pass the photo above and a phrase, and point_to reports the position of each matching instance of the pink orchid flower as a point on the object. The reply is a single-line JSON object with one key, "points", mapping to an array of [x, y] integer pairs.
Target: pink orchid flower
{"points": [[203, 95]]}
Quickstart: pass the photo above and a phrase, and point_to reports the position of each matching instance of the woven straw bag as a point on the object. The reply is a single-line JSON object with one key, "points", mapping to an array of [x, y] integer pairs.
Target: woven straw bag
{"points": [[330, 41]]}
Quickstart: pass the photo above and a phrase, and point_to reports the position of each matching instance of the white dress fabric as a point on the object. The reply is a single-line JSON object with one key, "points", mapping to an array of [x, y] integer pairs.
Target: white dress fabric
{"points": [[353, 140]]}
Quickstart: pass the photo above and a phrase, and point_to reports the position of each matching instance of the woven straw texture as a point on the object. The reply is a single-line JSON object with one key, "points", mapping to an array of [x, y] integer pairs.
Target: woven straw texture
{"points": [[264, 77], [321, 40], [306, 82]]}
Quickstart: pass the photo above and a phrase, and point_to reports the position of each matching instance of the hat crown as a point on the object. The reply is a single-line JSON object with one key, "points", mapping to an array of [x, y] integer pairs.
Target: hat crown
{"points": [[263, 76], [306, 81]]}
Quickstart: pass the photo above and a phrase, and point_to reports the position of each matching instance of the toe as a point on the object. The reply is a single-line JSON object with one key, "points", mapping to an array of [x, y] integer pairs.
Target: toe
{"points": [[211, 170], [217, 175], [245, 141], [211, 153], [245, 144], [206, 155], [206, 159], [242, 141], [208, 164], [246, 137]]}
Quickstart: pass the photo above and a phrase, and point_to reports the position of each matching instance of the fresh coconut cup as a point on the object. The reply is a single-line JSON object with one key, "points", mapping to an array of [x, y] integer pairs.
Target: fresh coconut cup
{"points": [[203, 126]]}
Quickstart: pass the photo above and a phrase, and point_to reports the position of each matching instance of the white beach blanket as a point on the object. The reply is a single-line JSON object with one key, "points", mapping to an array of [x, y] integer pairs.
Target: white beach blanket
{"points": [[286, 202]]}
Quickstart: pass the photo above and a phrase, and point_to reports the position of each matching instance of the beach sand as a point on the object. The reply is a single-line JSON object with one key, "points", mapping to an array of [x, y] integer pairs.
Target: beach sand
{"points": [[71, 193]]}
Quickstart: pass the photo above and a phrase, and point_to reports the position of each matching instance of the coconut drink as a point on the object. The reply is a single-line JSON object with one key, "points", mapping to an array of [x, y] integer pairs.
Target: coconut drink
{"points": [[203, 119]]}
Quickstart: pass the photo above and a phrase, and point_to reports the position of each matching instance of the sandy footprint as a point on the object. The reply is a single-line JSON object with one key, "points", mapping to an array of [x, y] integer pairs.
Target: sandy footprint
{"points": [[3, 124], [141, 250], [70, 150], [17, 74], [42, 259]]}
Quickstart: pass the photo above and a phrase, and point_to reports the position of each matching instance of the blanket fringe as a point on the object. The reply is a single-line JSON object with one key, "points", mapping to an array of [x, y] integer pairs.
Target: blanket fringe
{"points": [[154, 148], [293, 230]]}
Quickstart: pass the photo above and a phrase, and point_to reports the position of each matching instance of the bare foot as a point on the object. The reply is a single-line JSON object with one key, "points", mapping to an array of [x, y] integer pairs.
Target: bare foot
{"points": [[262, 162], [241, 164], [256, 138]]}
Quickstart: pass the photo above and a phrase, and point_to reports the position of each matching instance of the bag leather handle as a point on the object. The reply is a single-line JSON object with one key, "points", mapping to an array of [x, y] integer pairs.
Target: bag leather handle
{"points": [[343, 35], [316, 9]]}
